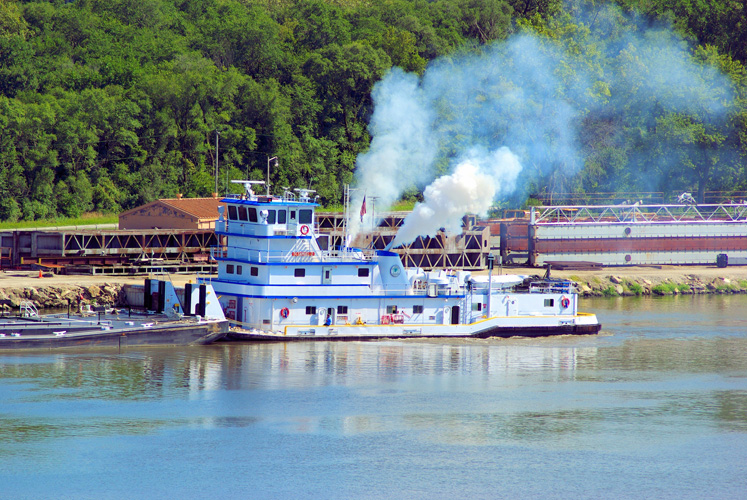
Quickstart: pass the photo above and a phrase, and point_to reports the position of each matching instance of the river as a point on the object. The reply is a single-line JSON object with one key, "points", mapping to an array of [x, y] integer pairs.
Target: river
{"points": [[653, 407]]}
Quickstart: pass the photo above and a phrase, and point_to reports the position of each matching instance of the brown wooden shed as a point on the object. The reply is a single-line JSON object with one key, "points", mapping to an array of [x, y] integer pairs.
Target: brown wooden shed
{"points": [[173, 213]]}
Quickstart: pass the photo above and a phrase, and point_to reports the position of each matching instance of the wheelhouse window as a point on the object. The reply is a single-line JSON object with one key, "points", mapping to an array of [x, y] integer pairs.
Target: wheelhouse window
{"points": [[391, 309], [282, 216], [292, 215], [271, 216], [254, 271], [232, 212], [310, 309], [477, 306], [363, 272], [304, 216], [252, 214], [549, 302], [342, 309], [229, 268], [417, 309], [242, 213], [299, 272], [239, 270]]}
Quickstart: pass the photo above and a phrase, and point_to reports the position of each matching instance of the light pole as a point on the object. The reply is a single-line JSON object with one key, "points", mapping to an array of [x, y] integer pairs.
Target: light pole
{"points": [[268, 171], [217, 134]]}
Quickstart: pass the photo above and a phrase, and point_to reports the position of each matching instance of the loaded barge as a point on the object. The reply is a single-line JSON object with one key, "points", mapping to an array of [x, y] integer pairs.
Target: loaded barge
{"points": [[169, 317], [279, 279]]}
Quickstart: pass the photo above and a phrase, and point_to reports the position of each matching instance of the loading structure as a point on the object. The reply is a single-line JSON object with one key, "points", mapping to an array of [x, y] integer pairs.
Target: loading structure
{"points": [[112, 251], [623, 235], [467, 250]]}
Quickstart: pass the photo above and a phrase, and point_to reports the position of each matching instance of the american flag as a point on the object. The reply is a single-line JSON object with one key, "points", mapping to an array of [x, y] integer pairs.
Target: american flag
{"points": [[363, 208]]}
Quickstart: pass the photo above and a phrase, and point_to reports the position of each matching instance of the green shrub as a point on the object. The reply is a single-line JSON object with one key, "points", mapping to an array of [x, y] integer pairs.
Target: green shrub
{"points": [[635, 288], [610, 291], [664, 289]]}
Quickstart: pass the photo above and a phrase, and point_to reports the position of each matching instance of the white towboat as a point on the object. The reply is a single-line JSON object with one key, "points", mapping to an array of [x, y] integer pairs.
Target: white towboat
{"points": [[279, 280]]}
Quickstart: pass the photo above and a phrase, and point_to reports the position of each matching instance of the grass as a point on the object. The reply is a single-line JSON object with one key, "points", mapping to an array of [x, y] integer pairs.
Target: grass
{"points": [[402, 206], [610, 291], [90, 219], [635, 288], [664, 289]]}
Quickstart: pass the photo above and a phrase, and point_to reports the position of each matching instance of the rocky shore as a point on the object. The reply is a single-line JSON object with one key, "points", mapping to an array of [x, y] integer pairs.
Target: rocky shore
{"points": [[59, 297], [620, 285]]}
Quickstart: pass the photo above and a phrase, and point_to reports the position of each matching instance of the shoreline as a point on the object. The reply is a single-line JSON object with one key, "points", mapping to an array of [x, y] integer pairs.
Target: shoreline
{"points": [[57, 291]]}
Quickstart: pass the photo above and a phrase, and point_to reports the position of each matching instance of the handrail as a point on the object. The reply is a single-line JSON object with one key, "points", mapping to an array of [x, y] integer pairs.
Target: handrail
{"points": [[29, 309]]}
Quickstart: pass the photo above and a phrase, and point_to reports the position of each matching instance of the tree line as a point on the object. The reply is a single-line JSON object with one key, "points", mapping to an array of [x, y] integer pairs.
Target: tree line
{"points": [[106, 105]]}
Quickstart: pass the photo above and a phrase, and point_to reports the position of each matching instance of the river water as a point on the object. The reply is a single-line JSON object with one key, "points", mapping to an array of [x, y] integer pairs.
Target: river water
{"points": [[653, 407]]}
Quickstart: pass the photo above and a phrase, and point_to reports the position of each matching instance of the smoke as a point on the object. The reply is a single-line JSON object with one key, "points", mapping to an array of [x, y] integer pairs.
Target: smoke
{"points": [[470, 189], [608, 80]]}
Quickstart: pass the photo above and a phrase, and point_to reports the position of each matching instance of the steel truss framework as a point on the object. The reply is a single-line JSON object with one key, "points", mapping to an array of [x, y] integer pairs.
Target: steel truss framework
{"points": [[102, 248], [462, 251], [631, 214]]}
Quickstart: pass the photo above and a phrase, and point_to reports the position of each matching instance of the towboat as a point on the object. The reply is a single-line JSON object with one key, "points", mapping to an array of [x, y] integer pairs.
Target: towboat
{"points": [[163, 316], [279, 279]]}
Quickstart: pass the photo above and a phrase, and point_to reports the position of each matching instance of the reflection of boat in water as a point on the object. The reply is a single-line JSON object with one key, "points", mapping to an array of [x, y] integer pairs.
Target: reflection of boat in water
{"points": [[279, 280], [169, 317]]}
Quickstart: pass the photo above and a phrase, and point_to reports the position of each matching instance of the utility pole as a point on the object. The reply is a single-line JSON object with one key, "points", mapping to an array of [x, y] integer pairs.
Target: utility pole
{"points": [[217, 134], [268, 172]]}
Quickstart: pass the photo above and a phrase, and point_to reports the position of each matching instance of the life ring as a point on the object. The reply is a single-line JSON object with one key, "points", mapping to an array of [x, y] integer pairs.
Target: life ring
{"points": [[304, 230], [284, 312], [565, 302]]}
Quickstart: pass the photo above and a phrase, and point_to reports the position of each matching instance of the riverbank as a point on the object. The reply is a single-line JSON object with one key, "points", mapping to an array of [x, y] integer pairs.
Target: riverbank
{"points": [[56, 291]]}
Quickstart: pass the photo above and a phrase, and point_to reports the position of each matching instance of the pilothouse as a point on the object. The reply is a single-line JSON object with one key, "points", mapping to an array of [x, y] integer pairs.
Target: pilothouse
{"points": [[278, 279]]}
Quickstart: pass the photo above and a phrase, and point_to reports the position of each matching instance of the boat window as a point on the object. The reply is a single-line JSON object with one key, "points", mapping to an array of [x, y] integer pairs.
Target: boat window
{"points": [[342, 309], [229, 268], [242, 213], [299, 272], [254, 271], [239, 270], [310, 309], [271, 216], [391, 309], [281, 216], [362, 272], [292, 215], [417, 309], [549, 302], [304, 216], [232, 212], [477, 306], [252, 214]]}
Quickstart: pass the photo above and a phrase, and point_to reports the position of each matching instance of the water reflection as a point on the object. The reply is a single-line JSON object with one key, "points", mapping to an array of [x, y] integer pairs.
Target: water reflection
{"points": [[455, 392]]}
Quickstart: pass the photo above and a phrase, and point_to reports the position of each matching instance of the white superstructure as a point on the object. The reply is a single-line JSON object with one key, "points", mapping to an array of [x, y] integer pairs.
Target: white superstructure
{"points": [[278, 279]]}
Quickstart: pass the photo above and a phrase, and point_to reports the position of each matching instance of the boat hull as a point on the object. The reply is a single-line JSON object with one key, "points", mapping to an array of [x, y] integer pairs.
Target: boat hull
{"points": [[529, 326]]}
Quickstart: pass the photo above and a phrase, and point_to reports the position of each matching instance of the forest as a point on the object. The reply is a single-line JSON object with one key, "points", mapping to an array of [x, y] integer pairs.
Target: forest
{"points": [[106, 105]]}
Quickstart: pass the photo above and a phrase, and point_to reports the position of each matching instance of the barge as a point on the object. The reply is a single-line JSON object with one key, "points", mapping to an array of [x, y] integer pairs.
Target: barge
{"points": [[166, 319]]}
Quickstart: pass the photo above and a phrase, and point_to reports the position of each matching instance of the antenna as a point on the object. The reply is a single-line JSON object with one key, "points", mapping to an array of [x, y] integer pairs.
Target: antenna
{"points": [[303, 194], [248, 187]]}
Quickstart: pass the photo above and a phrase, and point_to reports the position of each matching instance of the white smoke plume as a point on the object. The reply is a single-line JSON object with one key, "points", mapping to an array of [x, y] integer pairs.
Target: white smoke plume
{"points": [[470, 189], [532, 94], [402, 148]]}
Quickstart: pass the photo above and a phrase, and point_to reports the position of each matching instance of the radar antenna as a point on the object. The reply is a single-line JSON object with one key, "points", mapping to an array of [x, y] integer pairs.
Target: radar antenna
{"points": [[248, 187], [303, 194]]}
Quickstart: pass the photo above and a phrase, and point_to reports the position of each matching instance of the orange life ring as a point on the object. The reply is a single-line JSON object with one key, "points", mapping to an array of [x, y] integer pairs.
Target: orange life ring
{"points": [[565, 302], [304, 230], [284, 312]]}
